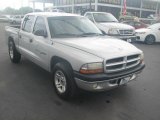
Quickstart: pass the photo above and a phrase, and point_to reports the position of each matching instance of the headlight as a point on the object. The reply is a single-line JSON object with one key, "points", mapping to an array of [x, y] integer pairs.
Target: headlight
{"points": [[113, 31], [142, 57], [92, 68]]}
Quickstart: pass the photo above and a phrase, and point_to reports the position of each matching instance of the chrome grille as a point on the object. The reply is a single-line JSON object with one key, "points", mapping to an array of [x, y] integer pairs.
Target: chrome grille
{"points": [[122, 63], [126, 32]]}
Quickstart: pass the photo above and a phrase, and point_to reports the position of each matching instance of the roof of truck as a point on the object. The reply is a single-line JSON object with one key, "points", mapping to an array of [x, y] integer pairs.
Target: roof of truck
{"points": [[51, 14]]}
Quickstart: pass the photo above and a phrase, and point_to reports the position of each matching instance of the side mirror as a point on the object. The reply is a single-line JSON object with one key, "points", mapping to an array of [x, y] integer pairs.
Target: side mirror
{"points": [[41, 33], [158, 28]]}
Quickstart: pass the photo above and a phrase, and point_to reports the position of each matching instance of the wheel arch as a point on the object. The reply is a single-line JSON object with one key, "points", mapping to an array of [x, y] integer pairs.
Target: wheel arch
{"points": [[10, 38], [56, 59]]}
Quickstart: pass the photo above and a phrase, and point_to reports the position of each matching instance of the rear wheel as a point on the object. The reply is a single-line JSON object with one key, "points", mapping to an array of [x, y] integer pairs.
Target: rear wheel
{"points": [[15, 56], [63, 81], [150, 39]]}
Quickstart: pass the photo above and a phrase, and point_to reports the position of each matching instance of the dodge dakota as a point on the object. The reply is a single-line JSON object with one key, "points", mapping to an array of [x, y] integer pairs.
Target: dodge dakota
{"points": [[74, 51]]}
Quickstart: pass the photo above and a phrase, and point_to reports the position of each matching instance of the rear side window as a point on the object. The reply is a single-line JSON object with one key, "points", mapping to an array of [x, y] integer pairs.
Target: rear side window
{"points": [[28, 22]]}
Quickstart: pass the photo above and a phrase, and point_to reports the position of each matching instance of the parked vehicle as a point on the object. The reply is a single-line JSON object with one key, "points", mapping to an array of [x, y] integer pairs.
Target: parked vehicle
{"points": [[54, 10], [4, 18], [109, 25], [136, 24], [75, 51], [126, 17], [150, 34], [16, 19]]}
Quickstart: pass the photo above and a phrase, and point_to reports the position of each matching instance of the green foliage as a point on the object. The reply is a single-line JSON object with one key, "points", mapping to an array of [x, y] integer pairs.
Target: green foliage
{"points": [[12, 11], [25, 10]]}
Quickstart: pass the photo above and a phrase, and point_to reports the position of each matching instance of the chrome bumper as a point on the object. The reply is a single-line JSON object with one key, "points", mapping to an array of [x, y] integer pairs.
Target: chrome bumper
{"points": [[104, 85], [127, 38]]}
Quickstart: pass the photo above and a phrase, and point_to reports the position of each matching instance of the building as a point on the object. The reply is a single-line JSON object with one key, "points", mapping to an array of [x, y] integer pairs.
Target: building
{"points": [[139, 8]]}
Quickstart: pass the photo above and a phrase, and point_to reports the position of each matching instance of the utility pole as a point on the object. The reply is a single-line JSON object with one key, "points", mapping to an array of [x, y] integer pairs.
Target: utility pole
{"points": [[90, 6]]}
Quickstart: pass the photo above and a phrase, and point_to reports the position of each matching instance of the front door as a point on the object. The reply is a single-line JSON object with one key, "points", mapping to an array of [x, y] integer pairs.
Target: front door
{"points": [[40, 43]]}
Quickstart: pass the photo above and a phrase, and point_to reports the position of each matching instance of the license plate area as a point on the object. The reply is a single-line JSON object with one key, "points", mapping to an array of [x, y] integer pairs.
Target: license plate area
{"points": [[124, 80]]}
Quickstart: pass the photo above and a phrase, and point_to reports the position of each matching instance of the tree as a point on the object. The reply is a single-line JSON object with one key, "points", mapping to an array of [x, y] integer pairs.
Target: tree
{"points": [[9, 10], [25, 10]]}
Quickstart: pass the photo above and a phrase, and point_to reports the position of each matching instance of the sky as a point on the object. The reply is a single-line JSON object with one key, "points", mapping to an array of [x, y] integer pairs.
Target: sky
{"points": [[19, 3]]}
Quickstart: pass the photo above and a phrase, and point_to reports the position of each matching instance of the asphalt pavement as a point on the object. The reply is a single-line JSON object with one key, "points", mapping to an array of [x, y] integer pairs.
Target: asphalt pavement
{"points": [[26, 93]]}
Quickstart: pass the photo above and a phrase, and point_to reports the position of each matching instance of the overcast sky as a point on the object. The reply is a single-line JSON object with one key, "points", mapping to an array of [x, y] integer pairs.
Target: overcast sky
{"points": [[18, 3]]}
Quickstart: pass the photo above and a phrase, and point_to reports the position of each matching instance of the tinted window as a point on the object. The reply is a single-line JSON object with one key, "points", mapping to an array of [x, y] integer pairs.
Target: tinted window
{"points": [[27, 24], [39, 25]]}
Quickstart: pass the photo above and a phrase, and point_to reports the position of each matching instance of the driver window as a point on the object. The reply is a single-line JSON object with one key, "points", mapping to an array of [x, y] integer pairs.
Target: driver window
{"points": [[39, 25]]}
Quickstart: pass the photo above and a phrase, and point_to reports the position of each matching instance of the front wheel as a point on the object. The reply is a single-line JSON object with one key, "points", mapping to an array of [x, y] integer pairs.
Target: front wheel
{"points": [[150, 39], [15, 56], [63, 81]]}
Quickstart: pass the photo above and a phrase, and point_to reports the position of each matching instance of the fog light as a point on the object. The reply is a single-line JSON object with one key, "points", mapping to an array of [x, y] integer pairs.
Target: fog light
{"points": [[95, 85]]}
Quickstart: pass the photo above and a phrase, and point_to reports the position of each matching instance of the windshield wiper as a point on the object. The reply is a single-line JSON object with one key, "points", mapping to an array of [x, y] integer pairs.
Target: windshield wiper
{"points": [[113, 21], [91, 34], [66, 35]]}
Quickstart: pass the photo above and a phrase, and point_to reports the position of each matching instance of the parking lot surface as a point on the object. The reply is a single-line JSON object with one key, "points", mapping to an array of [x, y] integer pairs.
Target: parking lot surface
{"points": [[26, 93]]}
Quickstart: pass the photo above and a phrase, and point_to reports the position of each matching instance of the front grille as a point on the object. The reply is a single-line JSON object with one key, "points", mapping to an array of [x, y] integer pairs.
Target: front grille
{"points": [[126, 32], [122, 63]]}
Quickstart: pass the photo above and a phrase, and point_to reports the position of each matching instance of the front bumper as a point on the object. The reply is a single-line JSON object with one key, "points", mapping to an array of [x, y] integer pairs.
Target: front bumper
{"points": [[126, 38], [103, 82]]}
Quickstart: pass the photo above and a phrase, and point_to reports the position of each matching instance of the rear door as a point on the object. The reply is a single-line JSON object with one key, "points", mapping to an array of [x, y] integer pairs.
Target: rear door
{"points": [[25, 35]]}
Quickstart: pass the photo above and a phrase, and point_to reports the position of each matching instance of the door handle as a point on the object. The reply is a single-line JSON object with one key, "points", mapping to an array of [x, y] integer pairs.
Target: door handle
{"points": [[30, 40]]}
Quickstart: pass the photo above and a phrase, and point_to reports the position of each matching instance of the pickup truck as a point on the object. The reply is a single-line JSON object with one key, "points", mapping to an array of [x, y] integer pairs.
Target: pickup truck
{"points": [[110, 26], [74, 51]]}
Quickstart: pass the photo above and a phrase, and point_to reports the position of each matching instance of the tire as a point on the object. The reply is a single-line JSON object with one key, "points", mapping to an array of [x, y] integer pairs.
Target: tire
{"points": [[15, 56], [150, 39], [63, 81]]}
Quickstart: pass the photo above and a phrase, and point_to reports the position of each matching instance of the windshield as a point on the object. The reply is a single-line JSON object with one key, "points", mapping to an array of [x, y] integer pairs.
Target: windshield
{"points": [[71, 26], [104, 17]]}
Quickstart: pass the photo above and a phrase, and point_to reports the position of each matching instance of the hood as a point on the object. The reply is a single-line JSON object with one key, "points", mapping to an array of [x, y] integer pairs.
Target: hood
{"points": [[104, 47], [143, 30], [115, 25]]}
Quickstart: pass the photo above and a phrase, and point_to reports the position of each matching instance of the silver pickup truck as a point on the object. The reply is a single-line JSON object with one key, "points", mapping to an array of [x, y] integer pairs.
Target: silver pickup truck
{"points": [[74, 51]]}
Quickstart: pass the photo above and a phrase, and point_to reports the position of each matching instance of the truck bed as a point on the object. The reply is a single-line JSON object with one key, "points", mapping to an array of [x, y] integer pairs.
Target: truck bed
{"points": [[12, 32]]}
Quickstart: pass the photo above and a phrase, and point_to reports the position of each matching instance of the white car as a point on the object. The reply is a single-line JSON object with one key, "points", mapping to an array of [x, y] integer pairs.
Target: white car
{"points": [[4, 18], [16, 19], [109, 25], [149, 35]]}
